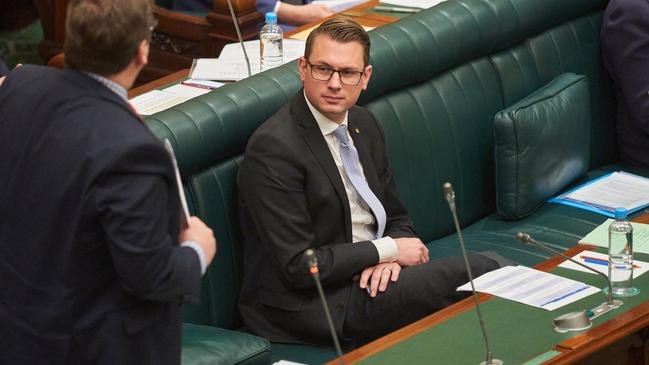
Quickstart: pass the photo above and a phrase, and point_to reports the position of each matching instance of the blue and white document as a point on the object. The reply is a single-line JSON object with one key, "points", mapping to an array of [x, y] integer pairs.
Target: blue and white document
{"points": [[532, 287], [602, 195]]}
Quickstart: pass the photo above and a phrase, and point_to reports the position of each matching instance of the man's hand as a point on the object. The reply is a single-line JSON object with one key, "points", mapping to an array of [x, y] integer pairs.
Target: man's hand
{"points": [[377, 277], [2, 79], [411, 252], [301, 14], [201, 234]]}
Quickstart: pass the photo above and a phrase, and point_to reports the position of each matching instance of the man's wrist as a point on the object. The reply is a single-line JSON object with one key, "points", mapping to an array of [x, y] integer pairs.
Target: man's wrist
{"points": [[387, 249], [199, 252]]}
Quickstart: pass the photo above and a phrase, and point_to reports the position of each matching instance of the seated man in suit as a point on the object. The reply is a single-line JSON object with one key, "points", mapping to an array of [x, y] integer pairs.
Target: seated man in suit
{"points": [[316, 175], [94, 264], [625, 52]]}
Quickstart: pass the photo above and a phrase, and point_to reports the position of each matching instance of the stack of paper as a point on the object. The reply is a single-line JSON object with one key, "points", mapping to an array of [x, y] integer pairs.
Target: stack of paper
{"points": [[532, 287], [599, 262], [599, 236], [421, 4], [339, 5], [603, 195], [158, 100]]}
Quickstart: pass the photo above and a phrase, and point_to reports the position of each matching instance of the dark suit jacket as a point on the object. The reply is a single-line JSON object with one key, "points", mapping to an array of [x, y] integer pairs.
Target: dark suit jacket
{"points": [[90, 269], [292, 198], [625, 51]]}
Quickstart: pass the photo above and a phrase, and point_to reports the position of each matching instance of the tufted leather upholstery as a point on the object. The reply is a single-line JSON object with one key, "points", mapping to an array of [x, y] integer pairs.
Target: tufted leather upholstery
{"points": [[439, 78]]}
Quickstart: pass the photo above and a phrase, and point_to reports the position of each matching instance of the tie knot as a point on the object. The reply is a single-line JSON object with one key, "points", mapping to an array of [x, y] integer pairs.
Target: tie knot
{"points": [[341, 134]]}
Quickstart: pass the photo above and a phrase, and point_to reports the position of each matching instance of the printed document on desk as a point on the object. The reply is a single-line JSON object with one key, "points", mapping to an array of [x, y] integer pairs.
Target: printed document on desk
{"points": [[292, 49], [222, 70], [421, 4], [339, 5], [603, 195], [532, 287], [599, 236]]}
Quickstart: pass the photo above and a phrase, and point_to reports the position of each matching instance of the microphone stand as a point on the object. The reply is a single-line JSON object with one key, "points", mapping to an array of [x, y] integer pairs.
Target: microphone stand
{"points": [[601, 309], [313, 269], [449, 194], [236, 27]]}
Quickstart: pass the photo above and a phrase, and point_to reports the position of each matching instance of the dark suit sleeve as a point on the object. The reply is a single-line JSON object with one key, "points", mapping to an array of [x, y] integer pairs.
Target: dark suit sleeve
{"points": [[272, 182], [625, 44], [132, 200]]}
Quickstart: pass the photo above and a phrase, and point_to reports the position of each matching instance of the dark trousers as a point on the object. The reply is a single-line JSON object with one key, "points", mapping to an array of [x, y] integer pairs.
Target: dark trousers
{"points": [[419, 291]]}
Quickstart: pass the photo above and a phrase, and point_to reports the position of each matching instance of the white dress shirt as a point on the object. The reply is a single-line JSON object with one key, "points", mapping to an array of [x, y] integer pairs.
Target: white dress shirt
{"points": [[362, 218]]}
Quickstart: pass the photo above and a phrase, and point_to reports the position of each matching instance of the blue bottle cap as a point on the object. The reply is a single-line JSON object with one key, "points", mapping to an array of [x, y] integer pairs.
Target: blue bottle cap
{"points": [[271, 18], [620, 213]]}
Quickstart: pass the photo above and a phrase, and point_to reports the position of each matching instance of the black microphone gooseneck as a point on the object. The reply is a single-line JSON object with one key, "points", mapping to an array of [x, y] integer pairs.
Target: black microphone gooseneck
{"points": [[236, 27], [449, 194], [526, 238], [313, 269]]}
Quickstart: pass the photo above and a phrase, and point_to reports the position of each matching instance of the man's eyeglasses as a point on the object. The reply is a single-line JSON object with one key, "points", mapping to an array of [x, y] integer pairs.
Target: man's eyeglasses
{"points": [[324, 73]]}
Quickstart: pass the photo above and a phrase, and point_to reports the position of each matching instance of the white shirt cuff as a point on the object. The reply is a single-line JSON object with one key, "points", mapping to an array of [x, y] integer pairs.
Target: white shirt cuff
{"points": [[199, 251], [276, 8], [387, 247]]}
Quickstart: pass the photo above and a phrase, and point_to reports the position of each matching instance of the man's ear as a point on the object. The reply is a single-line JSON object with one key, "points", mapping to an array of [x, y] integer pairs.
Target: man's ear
{"points": [[366, 77], [301, 67], [142, 57]]}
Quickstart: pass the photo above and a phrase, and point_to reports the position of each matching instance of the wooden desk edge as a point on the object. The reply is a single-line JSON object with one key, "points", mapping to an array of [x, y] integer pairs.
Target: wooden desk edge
{"points": [[156, 84]]}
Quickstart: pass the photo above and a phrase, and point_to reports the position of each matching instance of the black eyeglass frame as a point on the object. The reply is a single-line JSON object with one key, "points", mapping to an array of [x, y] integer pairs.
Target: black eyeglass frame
{"points": [[333, 71]]}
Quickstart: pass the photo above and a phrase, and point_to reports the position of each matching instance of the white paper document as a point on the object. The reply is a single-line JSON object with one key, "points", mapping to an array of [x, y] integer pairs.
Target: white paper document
{"points": [[599, 236], [339, 5], [184, 209], [532, 287], [155, 101], [422, 4], [599, 261], [186, 90], [291, 50], [222, 69], [617, 190]]}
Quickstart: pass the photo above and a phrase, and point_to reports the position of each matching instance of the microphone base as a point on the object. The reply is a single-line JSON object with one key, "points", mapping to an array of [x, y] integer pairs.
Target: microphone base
{"points": [[493, 362], [604, 308]]}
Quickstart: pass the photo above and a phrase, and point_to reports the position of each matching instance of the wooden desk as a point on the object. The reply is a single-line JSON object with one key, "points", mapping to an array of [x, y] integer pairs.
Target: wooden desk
{"points": [[623, 339]]}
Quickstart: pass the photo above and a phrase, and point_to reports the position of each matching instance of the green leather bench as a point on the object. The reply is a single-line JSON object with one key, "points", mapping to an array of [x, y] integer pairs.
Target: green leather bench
{"points": [[440, 77]]}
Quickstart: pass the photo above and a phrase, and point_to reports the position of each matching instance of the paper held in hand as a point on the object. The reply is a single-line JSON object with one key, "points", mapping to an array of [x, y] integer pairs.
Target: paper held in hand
{"points": [[184, 210]]}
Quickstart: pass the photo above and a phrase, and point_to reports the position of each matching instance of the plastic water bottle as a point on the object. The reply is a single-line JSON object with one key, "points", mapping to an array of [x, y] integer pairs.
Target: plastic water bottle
{"points": [[271, 50], [620, 255]]}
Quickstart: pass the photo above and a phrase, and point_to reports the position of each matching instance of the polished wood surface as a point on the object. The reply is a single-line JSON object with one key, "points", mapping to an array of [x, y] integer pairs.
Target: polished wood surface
{"points": [[572, 350]]}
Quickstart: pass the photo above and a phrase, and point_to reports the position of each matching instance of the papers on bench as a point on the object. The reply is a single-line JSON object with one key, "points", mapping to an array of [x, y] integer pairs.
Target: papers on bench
{"points": [[599, 261], [158, 100], [339, 5], [603, 195], [231, 64], [599, 236], [532, 287], [421, 4]]}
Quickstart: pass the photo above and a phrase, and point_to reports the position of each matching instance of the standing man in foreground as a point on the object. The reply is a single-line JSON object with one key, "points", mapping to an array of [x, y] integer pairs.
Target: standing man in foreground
{"points": [[93, 263], [625, 54], [316, 175]]}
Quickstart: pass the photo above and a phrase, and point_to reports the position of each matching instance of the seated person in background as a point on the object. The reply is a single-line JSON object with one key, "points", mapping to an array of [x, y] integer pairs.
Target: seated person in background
{"points": [[625, 52], [4, 70], [294, 12], [94, 264], [316, 175], [289, 12]]}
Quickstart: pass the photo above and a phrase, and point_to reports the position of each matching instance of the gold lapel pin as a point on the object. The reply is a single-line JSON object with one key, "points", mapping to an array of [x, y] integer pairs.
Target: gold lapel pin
{"points": [[357, 131]]}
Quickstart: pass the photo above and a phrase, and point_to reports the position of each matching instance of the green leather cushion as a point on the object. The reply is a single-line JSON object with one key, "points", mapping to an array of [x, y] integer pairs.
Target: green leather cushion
{"points": [[542, 145], [203, 345]]}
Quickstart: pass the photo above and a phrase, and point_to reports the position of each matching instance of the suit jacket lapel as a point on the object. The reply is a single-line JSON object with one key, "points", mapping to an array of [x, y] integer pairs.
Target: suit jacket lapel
{"points": [[318, 146]]}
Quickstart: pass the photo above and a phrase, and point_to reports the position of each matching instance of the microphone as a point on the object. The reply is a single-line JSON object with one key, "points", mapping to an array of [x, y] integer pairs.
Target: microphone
{"points": [[605, 307], [236, 27], [313, 269], [449, 194]]}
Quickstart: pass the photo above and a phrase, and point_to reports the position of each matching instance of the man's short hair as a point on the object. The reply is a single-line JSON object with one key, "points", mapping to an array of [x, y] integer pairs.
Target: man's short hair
{"points": [[341, 29], [103, 36]]}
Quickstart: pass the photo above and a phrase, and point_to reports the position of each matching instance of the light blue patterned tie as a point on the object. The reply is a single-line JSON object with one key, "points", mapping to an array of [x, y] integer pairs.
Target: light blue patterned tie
{"points": [[352, 165]]}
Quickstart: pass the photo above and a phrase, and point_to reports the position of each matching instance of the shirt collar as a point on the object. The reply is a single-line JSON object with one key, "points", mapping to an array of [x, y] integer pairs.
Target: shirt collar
{"points": [[327, 126], [111, 85]]}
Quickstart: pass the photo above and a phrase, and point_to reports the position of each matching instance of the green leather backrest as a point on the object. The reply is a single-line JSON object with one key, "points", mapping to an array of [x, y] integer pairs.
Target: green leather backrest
{"points": [[439, 78]]}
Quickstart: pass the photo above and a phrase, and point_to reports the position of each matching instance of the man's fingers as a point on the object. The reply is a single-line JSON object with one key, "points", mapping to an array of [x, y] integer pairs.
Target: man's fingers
{"points": [[396, 269], [375, 281], [365, 275], [386, 273]]}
